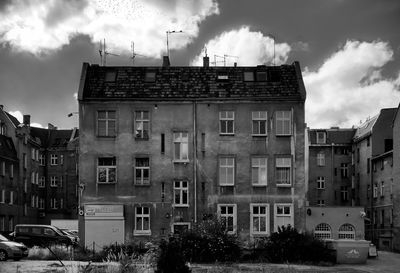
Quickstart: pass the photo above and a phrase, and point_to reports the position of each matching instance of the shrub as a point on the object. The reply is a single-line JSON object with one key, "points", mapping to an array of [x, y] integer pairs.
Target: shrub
{"points": [[288, 245], [170, 259]]}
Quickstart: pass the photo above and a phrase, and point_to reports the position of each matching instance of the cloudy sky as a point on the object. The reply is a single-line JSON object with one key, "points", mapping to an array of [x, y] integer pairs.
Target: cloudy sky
{"points": [[349, 50]]}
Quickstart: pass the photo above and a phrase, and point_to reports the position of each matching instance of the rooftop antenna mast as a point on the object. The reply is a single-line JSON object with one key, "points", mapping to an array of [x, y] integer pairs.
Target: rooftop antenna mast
{"points": [[215, 62], [134, 54], [231, 56], [273, 37], [103, 57]]}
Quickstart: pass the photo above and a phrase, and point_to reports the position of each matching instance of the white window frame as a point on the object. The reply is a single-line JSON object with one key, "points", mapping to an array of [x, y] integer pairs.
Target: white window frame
{"points": [[42, 159], [323, 231], [181, 140], [375, 191], [11, 198], [53, 203], [321, 202], [33, 151], [37, 178], [37, 155], [53, 159], [53, 181], [281, 163], [108, 120], [382, 189], [347, 231], [142, 215], [228, 215], [320, 182], [284, 214], [142, 169], [321, 137], [344, 193], [33, 201], [225, 166], [344, 170], [283, 119], [179, 192], [42, 182], [257, 118], [188, 224], [140, 122], [259, 170], [259, 216], [107, 169], [226, 117], [320, 159], [33, 178]]}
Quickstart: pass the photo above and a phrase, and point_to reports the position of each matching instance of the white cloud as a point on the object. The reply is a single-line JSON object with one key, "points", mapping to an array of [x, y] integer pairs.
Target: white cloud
{"points": [[252, 48], [75, 95], [349, 87], [20, 117], [40, 26]]}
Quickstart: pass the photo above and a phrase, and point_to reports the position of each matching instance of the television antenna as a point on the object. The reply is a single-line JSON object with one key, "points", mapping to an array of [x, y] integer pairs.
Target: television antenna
{"points": [[168, 32], [224, 57], [103, 53], [134, 54], [231, 56]]}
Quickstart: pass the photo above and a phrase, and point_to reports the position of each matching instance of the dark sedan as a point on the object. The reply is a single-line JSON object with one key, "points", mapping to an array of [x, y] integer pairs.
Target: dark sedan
{"points": [[11, 250]]}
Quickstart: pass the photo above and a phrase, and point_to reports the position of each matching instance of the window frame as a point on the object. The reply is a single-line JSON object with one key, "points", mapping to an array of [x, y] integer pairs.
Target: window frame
{"points": [[226, 120], [107, 121], [280, 117], [108, 168], [42, 182], [179, 140], [320, 182], [227, 215], [259, 119], [318, 139], [259, 169], [181, 191], [321, 162], [227, 167], [347, 234], [54, 181], [142, 169], [279, 166], [266, 216], [276, 215], [53, 159], [188, 224], [324, 233], [142, 215], [139, 118]]}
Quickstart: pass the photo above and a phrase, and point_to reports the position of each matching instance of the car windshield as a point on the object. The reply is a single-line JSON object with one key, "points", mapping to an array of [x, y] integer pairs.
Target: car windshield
{"points": [[2, 238], [59, 231]]}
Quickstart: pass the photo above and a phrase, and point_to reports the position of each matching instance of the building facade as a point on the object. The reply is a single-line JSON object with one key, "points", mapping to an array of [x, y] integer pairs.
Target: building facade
{"points": [[395, 187], [162, 148], [330, 172]]}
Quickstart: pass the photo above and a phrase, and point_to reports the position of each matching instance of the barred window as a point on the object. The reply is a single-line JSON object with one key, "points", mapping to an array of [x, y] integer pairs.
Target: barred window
{"points": [[347, 231], [323, 231]]}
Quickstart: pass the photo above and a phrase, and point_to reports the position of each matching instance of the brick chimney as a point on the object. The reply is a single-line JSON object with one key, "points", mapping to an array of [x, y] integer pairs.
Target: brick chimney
{"points": [[166, 62], [27, 120], [206, 61]]}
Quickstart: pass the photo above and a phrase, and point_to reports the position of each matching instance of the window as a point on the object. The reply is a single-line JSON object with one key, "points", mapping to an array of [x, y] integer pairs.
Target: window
{"points": [[142, 221], [283, 123], [62, 159], [42, 159], [33, 153], [323, 231], [33, 178], [368, 191], [179, 228], [53, 181], [3, 129], [227, 171], [3, 196], [60, 181], [344, 170], [53, 159], [25, 185], [181, 193], [226, 122], [106, 123], [33, 203], [142, 124], [375, 193], [358, 155], [261, 76], [150, 77], [283, 215], [344, 193], [3, 168], [110, 76], [228, 216], [61, 203], [368, 165], [53, 203], [42, 182], [283, 171], [321, 182], [321, 202], [12, 171], [2, 223], [248, 76], [181, 147], [259, 123], [11, 198], [142, 171], [25, 160], [37, 178], [382, 190], [11, 223], [321, 137], [259, 171], [320, 159], [162, 191], [368, 141], [106, 170], [162, 143], [259, 219], [37, 155], [41, 203], [347, 231]]}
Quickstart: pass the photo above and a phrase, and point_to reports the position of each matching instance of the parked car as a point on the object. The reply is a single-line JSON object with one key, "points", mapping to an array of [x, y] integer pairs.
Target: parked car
{"points": [[74, 237], [11, 250], [41, 235]]}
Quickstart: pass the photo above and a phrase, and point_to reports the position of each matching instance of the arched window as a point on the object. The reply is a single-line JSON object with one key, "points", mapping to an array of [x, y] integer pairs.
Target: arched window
{"points": [[322, 231], [347, 231]]}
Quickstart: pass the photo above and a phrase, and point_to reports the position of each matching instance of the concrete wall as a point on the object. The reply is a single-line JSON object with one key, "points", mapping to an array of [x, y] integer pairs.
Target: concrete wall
{"points": [[335, 217]]}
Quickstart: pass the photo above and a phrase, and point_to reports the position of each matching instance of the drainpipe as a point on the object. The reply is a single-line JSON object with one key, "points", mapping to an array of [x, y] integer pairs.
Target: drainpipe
{"points": [[195, 158]]}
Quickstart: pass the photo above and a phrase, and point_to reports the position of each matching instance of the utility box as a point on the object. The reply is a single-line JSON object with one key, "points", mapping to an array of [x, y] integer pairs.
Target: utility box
{"points": [[350, 251]]}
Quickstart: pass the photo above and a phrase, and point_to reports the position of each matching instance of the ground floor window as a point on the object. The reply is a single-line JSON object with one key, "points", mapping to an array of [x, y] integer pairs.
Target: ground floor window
{"points": [[283, 215], [179, 228], [347, 231], [259, 219], [142, 221], [323, 231], [227, 214]]}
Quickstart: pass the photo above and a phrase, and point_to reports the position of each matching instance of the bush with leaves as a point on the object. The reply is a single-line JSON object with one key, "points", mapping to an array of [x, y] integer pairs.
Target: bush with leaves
{"points": [[170, 259], [288, 245]]}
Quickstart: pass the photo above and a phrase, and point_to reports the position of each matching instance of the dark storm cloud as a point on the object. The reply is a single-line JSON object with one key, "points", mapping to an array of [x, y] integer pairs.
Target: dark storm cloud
{"points": [[4, 4]]}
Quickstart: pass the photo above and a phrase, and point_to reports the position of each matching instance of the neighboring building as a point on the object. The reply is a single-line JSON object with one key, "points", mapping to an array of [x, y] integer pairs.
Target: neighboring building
{"points": [[395, 187], [29, 186], [372, 147], [162, 148], [329, 171]]}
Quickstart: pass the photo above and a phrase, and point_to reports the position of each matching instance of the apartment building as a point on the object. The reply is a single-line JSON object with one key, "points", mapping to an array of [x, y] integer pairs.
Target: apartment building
{"points": [[330, 173], [395, 187], [162, 148]]}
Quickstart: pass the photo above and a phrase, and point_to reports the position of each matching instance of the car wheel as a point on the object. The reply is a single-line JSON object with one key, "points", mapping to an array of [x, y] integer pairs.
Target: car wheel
{"points": [[3, 255]]}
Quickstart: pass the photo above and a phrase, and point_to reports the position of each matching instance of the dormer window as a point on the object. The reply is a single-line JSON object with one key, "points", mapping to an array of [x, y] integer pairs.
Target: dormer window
{"points": [[261, 76], [223, 77], [111, 76], [150, 77], [248, 76], [321, 137]]}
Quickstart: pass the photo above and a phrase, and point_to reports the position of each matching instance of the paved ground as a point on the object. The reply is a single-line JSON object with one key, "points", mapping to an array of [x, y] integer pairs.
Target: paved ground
{"points": [[386, 262]]}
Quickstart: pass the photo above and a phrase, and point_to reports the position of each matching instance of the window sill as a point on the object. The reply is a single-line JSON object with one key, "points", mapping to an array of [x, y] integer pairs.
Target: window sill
{"points": [[109, 137], [259, 185], [284, 185], [142, 184], [180, 205], [106, 183], [259, 135], [181, 161], [227, 134], [226, 185], [142, 233], [283, 135], [264, 234]]}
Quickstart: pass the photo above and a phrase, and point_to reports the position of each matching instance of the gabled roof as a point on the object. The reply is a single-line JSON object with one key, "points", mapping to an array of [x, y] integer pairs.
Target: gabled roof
{"points": [[190, 83], [365, 129], [13, 119], [53, 138]]}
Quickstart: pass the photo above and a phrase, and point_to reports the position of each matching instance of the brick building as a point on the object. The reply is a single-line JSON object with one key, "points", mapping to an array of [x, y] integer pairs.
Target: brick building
{"points": [[162, 148], [330, 173], [28, 173]]}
